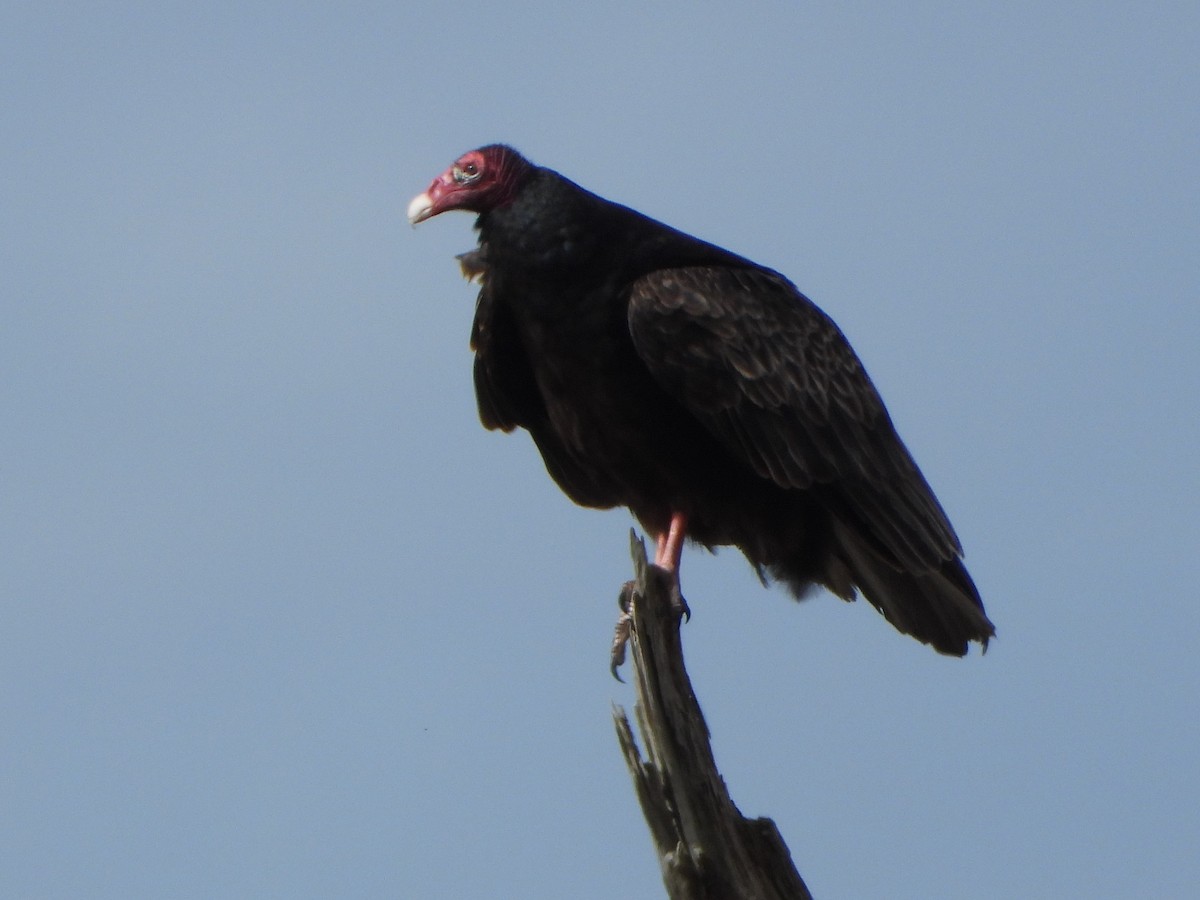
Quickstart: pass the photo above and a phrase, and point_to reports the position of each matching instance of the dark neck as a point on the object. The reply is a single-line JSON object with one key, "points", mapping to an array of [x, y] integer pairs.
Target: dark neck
{"points": [[555, 225]]}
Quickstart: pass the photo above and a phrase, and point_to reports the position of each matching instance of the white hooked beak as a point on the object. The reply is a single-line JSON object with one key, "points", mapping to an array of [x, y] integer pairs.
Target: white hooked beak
{"points": [[420, 209]]}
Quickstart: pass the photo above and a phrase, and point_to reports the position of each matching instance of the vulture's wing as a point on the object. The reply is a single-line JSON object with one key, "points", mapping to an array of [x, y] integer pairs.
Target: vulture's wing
{"points": [[504, 384], [506, 389], [772, 377]]}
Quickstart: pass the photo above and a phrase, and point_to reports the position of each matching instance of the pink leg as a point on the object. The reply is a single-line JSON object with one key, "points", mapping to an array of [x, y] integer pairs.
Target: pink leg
{"points": [[669, 547]]}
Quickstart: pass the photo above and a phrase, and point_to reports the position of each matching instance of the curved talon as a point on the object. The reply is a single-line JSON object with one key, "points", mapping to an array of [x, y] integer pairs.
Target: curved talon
{"points": [[620, 639], [625, 596], [622, 630], [679, 604]]}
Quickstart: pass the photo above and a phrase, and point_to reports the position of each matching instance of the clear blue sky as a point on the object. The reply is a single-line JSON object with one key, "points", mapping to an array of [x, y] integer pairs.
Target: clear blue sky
{"points": [[279, 619]]}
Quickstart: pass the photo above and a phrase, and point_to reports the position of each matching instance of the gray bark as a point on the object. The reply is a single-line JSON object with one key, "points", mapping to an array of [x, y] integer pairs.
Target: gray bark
{"points": [[706, 848]]}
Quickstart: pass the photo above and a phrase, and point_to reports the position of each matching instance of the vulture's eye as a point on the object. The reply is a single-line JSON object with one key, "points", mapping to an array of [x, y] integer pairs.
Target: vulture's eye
{"points": [[466, 173]]}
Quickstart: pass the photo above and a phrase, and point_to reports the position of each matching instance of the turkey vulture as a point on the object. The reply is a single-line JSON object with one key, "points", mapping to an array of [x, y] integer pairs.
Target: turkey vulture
{"points": [[702, 391]]}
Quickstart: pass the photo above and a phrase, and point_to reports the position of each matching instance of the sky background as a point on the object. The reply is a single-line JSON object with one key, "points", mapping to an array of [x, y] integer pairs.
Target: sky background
{"points": [[278, 618]]}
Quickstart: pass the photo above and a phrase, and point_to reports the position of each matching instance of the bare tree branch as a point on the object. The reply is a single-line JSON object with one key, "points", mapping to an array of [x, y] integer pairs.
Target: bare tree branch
{"points": [[707, 849]]}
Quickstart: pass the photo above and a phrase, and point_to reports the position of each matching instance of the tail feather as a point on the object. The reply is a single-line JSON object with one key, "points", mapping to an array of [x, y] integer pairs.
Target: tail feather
{"points": [[940, 607]]}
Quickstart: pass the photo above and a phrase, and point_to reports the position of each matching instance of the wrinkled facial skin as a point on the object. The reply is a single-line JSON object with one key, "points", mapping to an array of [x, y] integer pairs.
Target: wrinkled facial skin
{"points": [[478, 181]]}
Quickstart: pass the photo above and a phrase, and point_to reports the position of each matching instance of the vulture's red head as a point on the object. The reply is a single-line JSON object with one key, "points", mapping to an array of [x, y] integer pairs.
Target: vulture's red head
{"points": [[479, 181]]}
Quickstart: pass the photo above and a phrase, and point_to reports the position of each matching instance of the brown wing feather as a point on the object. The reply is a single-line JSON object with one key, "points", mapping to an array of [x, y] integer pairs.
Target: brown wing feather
{"points": [[504, 386], [506, 390], [773, 378]]}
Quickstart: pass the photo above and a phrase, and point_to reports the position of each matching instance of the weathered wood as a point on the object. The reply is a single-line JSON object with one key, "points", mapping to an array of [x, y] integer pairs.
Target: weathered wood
{"points": [[706, 848]]}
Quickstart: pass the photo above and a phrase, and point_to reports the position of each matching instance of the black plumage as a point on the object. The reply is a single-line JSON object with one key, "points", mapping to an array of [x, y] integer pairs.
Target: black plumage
{"points": [[662, 373]]}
